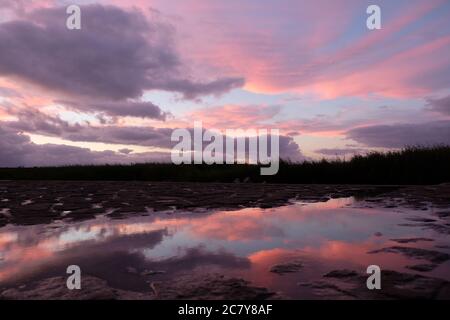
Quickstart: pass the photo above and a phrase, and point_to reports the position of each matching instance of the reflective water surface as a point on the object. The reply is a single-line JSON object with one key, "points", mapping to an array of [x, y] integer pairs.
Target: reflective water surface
{"points": [[324, 236]]}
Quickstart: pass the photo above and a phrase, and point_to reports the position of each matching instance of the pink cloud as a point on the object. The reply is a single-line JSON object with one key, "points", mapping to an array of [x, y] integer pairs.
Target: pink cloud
{"points": [[302, 47], [415, 73], [234, 116]]}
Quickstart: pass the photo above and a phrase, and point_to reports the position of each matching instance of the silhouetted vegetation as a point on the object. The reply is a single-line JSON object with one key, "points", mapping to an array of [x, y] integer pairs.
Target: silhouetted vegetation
{"points": [[412, 165]]}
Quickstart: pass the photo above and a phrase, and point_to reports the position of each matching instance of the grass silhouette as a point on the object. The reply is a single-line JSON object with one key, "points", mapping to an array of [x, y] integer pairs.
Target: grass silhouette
{"points": [[411, 165]]}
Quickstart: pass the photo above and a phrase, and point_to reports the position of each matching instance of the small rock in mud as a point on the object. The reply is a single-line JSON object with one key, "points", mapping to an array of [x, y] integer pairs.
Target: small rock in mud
{"points": [[288, 267]]}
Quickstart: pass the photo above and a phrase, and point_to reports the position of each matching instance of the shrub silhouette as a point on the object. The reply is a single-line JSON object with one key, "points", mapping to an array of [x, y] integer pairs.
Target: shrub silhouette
{"points": [[411, 165]]}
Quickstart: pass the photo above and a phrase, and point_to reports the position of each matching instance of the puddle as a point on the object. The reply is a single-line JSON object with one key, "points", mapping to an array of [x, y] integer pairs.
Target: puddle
{"points": [[280, 249]]}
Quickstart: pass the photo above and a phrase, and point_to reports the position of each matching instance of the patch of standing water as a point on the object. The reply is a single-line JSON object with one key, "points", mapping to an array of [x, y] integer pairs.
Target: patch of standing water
{"points": [[304, 240]]}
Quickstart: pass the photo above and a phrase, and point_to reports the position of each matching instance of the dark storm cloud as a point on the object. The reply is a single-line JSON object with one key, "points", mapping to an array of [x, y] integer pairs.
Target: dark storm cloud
{"points": [[191, 90], [440, 105], [143, 136], [121, 108], [401, 135], [290, 150], [159, 137], [12, 148], [17, 150], [116, 55], [125, 151], [34, 121]]}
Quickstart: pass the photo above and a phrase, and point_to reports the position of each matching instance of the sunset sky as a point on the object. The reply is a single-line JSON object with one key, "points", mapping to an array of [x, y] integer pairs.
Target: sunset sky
{"points": [[115, 90]]}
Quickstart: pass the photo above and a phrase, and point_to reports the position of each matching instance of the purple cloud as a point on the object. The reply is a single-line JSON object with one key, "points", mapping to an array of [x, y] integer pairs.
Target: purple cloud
{"points": [[17, 150], [33, 121], [116, 55], [440, 105], [39, 123], [126, 151], [401, 135], [121, 108]]}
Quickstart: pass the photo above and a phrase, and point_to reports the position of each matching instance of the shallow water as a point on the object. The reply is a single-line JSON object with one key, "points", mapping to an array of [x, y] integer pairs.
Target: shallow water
{"points": [[128, 253]]}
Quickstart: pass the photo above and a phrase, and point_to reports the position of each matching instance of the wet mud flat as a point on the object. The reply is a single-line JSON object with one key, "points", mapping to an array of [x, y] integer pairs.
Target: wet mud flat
{"points": [[35, 202], [144, 240]]}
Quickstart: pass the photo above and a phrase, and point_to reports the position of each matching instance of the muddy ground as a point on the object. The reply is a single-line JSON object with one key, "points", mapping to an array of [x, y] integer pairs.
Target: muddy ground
{"points": [[38, 202], [42, 202]]}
